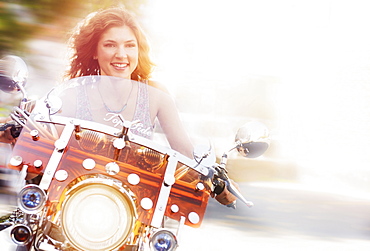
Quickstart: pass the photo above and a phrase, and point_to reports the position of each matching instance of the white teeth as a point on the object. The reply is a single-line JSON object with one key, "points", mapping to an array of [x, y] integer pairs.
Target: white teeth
{"points": [[119, 65]]}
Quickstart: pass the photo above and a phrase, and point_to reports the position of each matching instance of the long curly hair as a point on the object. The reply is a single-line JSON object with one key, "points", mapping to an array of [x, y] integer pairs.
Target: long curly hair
{"points": [[87, 33]]}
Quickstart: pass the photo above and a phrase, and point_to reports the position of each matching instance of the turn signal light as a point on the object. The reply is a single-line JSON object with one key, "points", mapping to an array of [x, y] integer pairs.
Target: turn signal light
{"points": [[163, 240], [21, 234], [31, 199]]}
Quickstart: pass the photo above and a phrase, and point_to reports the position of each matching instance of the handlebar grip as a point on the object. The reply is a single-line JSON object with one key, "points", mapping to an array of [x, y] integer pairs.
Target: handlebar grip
{"points": [[5, 126], [15, 130], [219, 186]]}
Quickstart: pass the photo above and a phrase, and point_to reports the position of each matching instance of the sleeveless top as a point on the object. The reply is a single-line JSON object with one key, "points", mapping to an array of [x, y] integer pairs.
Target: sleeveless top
{"points": [[143, 128]]}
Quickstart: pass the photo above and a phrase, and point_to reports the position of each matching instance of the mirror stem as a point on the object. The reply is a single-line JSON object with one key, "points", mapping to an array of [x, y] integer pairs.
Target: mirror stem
{"points": [[24, 99], [223, 161]]}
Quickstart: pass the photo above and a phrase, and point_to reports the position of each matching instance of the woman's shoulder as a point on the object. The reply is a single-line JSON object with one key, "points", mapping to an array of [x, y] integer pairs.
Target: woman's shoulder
{"points": [[157, 85], [159, 94]]}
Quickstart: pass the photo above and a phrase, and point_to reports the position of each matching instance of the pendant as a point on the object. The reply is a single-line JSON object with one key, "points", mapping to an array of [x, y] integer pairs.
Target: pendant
{"points": [[115, 111]]}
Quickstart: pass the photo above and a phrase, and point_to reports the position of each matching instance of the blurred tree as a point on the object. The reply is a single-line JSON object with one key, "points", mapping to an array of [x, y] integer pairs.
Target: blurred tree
{"points": [[21, 20], [13, 31]]}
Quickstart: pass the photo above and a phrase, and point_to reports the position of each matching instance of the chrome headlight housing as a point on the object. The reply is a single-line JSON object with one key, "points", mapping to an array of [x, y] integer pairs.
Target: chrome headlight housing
{"points": [[31, 199], [163, 240], [97, 215], [21, 234]]}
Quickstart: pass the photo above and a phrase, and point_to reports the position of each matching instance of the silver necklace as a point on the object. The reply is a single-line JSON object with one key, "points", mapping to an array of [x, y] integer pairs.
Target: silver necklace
{"points": [[123, 107]]}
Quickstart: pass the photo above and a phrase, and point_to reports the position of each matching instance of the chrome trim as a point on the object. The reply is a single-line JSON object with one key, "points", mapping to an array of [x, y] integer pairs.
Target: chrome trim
{"points": [[130, 207], [112, 168], [89, 164], [133, 179], [193, 217], [61, 175], [119, 143], [166, 150], [84, 124], [56, 157], [16, 160], [152, 237], [26, 241], [200, 187], [31, 210], [180, 227], [23, 174], [146, 203], [37, 163], [35, 135], [90, 125], [164, 193], [175, 208]]}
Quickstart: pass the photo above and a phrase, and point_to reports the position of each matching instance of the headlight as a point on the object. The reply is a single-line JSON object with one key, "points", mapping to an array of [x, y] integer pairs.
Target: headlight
{"points": [[31, 199], [97, 216], [163, 240]]}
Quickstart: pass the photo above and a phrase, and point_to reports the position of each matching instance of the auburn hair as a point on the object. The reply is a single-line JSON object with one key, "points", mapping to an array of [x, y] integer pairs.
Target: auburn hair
{"points": [[85, 38]]}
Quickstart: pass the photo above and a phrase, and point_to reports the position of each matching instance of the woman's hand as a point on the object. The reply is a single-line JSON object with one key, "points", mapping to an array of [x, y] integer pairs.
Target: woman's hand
{"points": [[6, 136], [226, 197]]}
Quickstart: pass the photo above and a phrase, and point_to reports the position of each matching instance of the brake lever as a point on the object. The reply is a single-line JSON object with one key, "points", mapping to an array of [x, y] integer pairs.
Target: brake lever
{"points": [[222, 175], [232, 189]]}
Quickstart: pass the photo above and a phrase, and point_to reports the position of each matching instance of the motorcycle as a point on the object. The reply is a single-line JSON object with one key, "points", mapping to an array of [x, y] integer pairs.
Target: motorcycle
{"points": [[91, 184]]}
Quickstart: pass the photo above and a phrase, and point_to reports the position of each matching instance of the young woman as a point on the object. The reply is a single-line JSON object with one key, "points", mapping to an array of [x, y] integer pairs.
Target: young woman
{"points": [[111, 43]]}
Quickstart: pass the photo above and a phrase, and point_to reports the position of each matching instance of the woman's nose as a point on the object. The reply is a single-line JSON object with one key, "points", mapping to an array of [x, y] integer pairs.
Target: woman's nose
{"points": [[121, 53]]}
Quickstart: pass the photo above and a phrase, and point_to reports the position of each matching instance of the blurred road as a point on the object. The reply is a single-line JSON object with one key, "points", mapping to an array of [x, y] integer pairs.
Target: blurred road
{"points": [[284, 218]]}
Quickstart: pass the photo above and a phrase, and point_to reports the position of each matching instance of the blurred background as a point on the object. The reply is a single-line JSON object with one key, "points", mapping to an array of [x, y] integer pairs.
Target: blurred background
{"points": [[300, 67]]}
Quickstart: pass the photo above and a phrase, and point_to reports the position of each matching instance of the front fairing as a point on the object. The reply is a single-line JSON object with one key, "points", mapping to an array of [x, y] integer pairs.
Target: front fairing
{"points": [[60, 138]]}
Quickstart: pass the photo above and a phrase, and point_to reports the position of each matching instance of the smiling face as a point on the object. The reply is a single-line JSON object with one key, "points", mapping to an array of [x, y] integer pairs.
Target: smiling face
{"points": [[117, 52]]}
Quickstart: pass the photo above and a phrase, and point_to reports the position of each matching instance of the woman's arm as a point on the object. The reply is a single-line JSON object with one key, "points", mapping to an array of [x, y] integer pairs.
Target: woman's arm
{"points": [[177, 137], [172, 126]]}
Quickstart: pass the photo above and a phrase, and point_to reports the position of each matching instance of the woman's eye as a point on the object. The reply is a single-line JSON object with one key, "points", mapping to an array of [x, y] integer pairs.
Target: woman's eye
{"points": [[109, 45], [131, 45]]}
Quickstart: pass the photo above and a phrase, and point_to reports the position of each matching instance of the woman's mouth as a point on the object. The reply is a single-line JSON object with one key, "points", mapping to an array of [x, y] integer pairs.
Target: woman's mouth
{"points": [[119, 66]]}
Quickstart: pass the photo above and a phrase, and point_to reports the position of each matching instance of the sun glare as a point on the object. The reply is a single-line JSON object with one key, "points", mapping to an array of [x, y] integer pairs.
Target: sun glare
{"points": [[317, 50]]}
